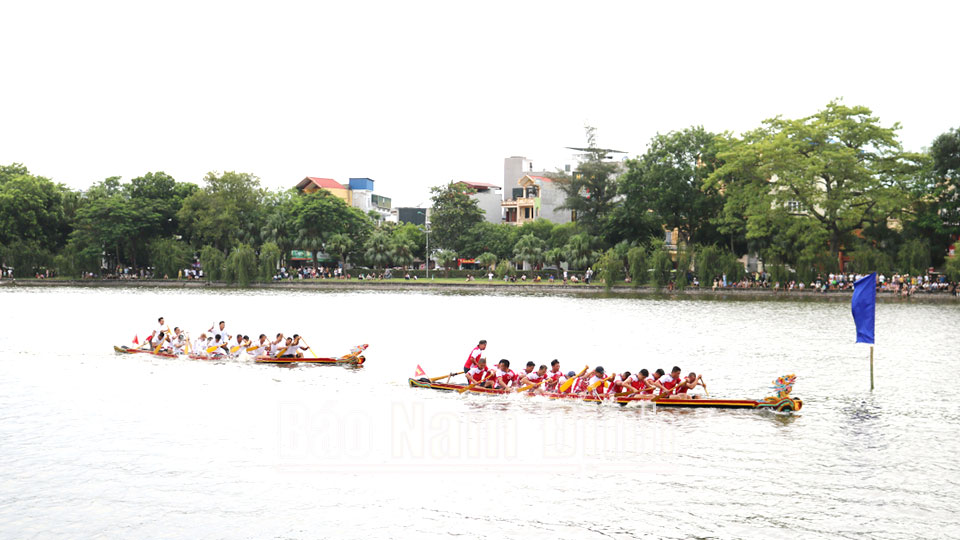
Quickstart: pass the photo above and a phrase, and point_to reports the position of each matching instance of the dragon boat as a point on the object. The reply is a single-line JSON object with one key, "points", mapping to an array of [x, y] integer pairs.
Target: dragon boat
{"points": [[782, 401], [353, 358], [122, 349]]}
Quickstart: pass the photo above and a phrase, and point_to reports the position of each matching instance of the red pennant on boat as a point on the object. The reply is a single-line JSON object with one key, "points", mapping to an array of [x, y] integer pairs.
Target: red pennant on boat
{"points": [[419, 372], [135, 340]]}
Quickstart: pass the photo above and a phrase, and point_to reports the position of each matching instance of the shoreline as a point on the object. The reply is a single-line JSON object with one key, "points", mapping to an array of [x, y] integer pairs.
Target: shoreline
{"points": [[555, 289]]}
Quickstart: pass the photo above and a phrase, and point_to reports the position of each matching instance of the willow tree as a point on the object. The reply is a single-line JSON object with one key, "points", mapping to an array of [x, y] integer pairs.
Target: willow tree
{"points": [[270, 256], [241, 265], [211, 261], [820, 178]]}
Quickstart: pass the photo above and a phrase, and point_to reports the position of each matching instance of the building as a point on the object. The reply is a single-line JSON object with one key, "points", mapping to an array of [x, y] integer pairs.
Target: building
{"points": [[312, 184], [417, 216], [535, 197], [489, 199]]}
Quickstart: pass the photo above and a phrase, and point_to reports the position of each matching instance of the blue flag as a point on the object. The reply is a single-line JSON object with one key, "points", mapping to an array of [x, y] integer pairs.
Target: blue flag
{"points": [[864, 307]]}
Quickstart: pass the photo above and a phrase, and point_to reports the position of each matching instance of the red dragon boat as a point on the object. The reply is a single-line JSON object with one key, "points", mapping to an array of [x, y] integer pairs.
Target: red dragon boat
{"points": [[782, 401], [122, 349], [354, 358]]}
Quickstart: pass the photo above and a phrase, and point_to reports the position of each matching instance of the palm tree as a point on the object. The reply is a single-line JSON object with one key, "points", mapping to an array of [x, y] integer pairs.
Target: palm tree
{"points": [[579, 252], [487, 260], [446, 258], [401, 251], [377, 250], [555, 256], [529, 249], [310, 241], [341, 244]]}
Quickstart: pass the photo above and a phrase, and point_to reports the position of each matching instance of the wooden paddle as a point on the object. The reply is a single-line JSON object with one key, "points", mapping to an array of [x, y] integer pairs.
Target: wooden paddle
{"points": [[596, 384], [308, 346], [532, 386], [470, 387], [699, 378], [569, 382], [155, 351], [435, 379]]}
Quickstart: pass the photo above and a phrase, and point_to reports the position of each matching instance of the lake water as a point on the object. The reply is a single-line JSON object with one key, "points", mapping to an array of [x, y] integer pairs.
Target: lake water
{"points": [[98, 445]]}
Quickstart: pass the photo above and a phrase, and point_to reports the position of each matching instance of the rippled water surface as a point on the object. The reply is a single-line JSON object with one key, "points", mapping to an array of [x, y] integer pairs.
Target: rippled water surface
{"points": [[97, 445]]}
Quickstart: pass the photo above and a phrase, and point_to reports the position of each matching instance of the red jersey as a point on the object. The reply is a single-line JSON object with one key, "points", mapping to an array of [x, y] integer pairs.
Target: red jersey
{"points": [[507, 376], [681, 387], [475, 355], [616, 385], [669, 382], [476, 374]]}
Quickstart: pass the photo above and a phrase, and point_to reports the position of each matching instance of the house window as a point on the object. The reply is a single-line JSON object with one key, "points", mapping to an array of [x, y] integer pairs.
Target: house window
{"points": [[668, 237], [795, 207]]}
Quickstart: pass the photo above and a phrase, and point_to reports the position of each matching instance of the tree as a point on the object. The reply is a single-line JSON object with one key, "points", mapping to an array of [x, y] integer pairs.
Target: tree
{"points": [[610, 268], [530, 249], [662, 266], [952, 268], [278, 226], [225, 212], [341, 244], [270, 257], [454, 213], [637, 262], [321, 214], [914, 257], [487, 260], [668, 179], [378, 250], [591, 189], [414, 236], [579, 251], [446, 258], [401, 251], [31, 209], [836, 171], [555, 256], [498, 239], [241, 265], [170, 256], [211, 261]]}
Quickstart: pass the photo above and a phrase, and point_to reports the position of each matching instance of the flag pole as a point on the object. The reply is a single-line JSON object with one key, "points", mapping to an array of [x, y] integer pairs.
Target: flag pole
{"points": [[871, 368]]}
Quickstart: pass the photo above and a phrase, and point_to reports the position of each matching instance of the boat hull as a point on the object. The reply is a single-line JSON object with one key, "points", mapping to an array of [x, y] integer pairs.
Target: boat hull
{"points": [[271, 360], [126, 350], [785, 404]]}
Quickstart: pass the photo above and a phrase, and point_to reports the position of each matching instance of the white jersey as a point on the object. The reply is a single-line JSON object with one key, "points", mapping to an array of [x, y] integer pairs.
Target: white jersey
{"points": [[595, 380], [262, 349], [666, 379]]}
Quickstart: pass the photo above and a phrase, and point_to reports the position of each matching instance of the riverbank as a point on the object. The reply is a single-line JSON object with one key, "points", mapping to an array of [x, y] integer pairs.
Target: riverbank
{"points": [[488, 287]]}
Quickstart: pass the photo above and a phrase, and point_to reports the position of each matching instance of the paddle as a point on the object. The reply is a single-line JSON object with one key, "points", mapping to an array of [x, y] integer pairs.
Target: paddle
{"points": [[596, 384], [569, 382], [435, 379], [465, 388], [155, 351], [308, 347], [532, 386], [704, 385]]}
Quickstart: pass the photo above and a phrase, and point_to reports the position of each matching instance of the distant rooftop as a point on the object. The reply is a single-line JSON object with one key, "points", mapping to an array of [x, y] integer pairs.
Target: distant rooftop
{"points": [[325, 183]]}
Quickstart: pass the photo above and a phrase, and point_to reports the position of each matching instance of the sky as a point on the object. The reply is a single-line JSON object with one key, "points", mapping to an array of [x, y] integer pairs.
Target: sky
{"points": [[416, 94]]}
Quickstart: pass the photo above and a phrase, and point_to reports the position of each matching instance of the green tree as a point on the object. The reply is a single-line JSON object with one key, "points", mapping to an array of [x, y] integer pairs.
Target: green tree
{"points": [[401, 251], [241, 265], [555, 256], [836, 171], [668, 179], [26, 257], [378, 250], [270, 257], [498, 239], [446, 258], [662, 266], [31, 209], [225, 212], [211, 262], [868, 258], [74, 259], [341, 244], [592, 187], [454, 213], [610, 268], [487, 260], [684, 260], [170, 256], [637, 261], [709, 263], [529, 249], [579, 251], [504, 268], [952, 268], [914, 257]]}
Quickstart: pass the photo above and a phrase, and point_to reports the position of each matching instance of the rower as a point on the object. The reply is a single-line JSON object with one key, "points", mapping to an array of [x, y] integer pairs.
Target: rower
{"points": [[578, 385], [475, 355], [275, 346], [261, 347], [653, 381], [239, 346], [530, 377], [595, 381], [553, 376], [689, 383], [636, 382], [179, 343], [301, 348], [222, 330], [221, 344], [617, 382], [527, 371], [155, 337], [289, 349], [502, 377], [478, 372], [173, 340], [671, 380]]}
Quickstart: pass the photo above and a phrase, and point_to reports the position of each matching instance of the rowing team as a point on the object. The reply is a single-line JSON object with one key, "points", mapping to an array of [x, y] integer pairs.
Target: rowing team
{"points": [[596, 383], [217, 341]]}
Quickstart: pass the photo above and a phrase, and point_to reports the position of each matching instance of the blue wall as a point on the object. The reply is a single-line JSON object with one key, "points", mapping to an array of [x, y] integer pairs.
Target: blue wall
{"points": [[361, 183]]}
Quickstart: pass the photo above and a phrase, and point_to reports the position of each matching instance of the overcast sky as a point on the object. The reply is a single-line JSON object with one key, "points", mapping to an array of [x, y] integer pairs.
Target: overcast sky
{"points": [[415, 94]]}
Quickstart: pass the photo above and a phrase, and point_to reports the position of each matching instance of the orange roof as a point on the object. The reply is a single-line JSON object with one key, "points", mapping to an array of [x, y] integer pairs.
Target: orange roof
{"points": [[479, 185], [325, 183], [541, 178]]}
